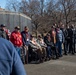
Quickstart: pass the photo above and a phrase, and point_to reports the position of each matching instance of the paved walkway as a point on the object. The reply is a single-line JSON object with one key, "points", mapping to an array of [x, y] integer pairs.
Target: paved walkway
{"points": [[63, 66]]}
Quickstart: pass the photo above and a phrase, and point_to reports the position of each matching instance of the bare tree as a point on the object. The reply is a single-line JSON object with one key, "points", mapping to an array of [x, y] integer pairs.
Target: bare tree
{"points": [[45, 12], [35, 9], [68, 6], [12, 5]]}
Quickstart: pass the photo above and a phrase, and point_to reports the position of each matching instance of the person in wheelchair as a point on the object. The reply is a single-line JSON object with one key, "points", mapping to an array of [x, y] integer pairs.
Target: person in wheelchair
{"points": [[43, 46], [35, 51], [51, 48]]}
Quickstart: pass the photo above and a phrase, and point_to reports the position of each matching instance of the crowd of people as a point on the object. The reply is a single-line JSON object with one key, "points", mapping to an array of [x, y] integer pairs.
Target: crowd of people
{"points": [[59, 41]]}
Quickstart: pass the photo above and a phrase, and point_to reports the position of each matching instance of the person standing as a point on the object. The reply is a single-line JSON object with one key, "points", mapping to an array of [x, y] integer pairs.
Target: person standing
{"points": [[53, 38], [69, 39], [2, 31], [25, 36], [16, 39], [73, 39], [26, 40], [59, 40], [65, 34]]}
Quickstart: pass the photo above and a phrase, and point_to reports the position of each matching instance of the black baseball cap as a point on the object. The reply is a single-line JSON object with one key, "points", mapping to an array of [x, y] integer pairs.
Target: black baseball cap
{"points": [[17, 27], [2, 25]]}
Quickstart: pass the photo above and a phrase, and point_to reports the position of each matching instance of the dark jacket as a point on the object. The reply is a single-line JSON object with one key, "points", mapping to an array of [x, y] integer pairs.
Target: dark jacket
{"points": [[74, 35], [10, 62], [49, 43], [24, 39], [69, 34], [59, 36], [3, 34]]}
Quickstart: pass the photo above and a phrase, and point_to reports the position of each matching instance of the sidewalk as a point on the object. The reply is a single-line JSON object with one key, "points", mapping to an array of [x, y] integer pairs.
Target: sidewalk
{"points": [[66, 65]]}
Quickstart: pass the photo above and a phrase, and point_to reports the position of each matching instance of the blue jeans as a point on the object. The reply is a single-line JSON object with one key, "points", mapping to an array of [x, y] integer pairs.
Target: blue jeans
{"points": [[18, 49], [48, 51], [59, 45]]}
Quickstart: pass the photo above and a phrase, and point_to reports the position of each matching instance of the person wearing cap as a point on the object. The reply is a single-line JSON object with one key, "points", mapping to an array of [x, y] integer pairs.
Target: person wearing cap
{"points": [[10, 63], [16, 39], [25, 36], [26, 40], [2, 31]]}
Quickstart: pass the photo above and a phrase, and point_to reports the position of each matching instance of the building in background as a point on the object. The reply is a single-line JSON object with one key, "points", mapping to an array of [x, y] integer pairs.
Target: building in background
{"points": [[12, 19]]}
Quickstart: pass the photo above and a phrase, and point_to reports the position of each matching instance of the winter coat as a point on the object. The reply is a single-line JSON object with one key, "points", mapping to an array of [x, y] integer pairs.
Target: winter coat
{"points": [[16, 38]]}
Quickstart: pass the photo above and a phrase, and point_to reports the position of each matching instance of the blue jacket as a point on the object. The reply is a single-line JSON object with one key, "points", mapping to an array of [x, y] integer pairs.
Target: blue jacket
{"points": [[60, 36], [10, 62]]}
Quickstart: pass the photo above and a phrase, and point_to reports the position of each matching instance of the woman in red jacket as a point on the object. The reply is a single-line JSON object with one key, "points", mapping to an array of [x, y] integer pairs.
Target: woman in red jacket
{"points": [[16, 39]]}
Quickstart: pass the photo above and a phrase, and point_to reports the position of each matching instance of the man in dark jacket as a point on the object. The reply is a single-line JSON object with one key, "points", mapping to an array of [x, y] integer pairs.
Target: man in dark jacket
{"points": [[2, 31], [10, 63], [49, 43], [25, 36], [26, 39], [73, 38], [70, 40]]}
